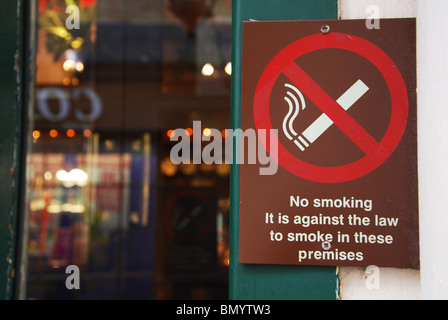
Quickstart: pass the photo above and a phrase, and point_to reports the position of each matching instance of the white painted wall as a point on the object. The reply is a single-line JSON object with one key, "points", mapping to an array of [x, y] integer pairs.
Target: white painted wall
{"points": [[433, 144], [431, 282], [356, 9]]}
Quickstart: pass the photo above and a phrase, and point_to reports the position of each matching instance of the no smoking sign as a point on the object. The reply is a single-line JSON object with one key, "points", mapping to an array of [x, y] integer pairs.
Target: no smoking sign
{"points": [[344, 106], [334, 112]]}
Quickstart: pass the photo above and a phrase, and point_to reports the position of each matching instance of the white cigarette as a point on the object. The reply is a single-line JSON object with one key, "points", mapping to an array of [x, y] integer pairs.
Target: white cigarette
{"points": [[323, 123]]}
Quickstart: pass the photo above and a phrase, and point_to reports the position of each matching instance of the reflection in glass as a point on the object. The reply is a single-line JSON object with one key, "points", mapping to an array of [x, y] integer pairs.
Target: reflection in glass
{"points": [[103, 193]]}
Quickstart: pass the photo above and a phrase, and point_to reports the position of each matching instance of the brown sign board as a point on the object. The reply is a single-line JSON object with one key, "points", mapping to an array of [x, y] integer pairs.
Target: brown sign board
{"points": [[340, 102]]}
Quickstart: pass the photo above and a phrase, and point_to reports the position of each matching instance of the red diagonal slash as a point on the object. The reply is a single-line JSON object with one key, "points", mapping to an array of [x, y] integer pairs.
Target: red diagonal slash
{"points": [[332, 109]]}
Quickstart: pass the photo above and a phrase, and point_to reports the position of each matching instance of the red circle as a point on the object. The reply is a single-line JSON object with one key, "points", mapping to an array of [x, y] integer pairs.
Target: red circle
{"points": [[394, 80]]}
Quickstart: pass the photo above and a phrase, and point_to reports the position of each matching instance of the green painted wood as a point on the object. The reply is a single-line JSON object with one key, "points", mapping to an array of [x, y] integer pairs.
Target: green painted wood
{"points": [[262, 282], [11, 127]]}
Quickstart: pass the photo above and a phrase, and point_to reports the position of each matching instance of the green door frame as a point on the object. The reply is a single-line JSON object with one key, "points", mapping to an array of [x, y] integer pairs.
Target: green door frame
{"points": [[16, 87], [255, 282]]}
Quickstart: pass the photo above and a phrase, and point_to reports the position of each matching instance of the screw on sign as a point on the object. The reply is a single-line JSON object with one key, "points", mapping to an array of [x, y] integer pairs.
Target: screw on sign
{"points": [[326, 245], [325, 28], [333, 112]]}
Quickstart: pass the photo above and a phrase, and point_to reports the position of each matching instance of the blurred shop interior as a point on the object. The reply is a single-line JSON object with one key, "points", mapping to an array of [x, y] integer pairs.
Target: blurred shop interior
{"points": [[102, 192]]}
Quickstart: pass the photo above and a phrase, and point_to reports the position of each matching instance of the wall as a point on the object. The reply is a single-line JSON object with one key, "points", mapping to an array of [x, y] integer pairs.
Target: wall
{"points": [[433, 112], [430, 282]]}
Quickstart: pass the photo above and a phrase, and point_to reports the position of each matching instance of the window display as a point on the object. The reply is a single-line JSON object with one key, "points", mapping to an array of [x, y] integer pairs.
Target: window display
{"points": [[113, 78]]}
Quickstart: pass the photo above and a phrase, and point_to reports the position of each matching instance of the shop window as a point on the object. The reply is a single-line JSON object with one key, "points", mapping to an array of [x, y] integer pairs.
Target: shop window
{"points": [[102, 192]]}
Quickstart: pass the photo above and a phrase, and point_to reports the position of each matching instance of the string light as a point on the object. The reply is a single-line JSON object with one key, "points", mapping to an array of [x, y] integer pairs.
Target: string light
{"points": [[70, 133], [228, 68], [87, 133], [69, 65], [79, 66], [207, 132], [208, 70], [170, 133], [36, 134], [54, 133]]}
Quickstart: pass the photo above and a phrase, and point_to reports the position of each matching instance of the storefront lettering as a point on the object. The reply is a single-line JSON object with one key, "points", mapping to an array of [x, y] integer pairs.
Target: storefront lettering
{"points": [[44, 95]]}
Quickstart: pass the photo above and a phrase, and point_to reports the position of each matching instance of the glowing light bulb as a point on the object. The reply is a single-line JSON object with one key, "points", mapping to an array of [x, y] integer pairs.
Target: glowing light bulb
{"points": [[170, 133], [70, 133], [87, 133], [208, 70], [207, 132], [36, 134], [53, 133], [69, 65], [79, 66], [228, 68]]}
